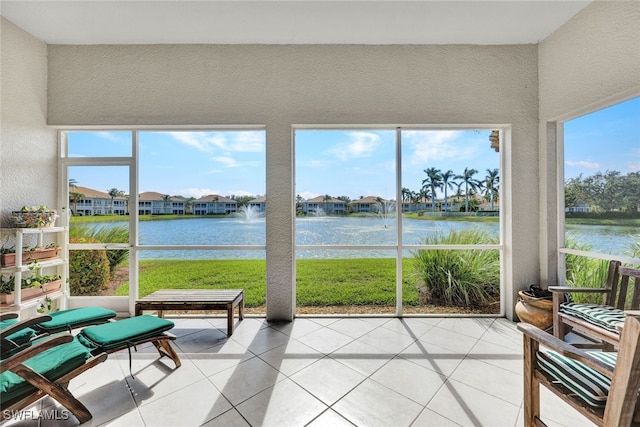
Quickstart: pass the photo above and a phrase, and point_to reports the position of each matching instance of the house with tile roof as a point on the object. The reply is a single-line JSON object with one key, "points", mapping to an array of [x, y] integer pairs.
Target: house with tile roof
{"points": [[323, 205], [214, 204], [152, 203], [88, 202]]}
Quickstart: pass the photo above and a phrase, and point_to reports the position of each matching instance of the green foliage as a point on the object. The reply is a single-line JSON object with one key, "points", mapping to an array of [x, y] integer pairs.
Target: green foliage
{"points": [[459, 277], [88, 269], [118, 234]]}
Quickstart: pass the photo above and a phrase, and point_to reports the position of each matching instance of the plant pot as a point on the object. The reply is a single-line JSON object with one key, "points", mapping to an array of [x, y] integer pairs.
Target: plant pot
{"points": [[39, 219], [33, 292], [8, 260], [538, 312]]}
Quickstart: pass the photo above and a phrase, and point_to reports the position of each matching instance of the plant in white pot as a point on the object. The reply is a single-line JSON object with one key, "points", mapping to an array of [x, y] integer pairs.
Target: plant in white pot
{"points": [[34, 217]]}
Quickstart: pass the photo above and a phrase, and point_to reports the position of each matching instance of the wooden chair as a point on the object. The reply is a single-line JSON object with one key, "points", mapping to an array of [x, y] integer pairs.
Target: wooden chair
{"points": [[608, 399], [45, 369], [598, 321]]}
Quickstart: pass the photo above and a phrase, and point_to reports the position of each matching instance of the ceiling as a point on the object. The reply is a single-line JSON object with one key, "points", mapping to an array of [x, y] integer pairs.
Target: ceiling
{"points": [[290, 22]]}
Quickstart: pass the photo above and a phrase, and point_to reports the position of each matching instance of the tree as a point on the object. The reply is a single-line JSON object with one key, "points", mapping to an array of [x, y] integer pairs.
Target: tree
{"points": [[73, 183], [165, 200], [114, 192], [447, 182], [326, 198], [433, 182], [299, 203], [75, 197], [491, 185], [470, 184]]}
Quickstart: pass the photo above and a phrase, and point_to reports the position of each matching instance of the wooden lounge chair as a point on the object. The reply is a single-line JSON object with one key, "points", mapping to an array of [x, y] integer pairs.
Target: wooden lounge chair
{"points": [[602, 386], [598, 321], [14, 334], [45, 369], [44, 366]]}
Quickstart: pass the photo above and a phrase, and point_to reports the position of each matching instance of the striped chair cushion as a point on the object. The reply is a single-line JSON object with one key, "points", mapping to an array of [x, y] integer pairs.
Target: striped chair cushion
{"points": [[601, 315], [587, 383]]}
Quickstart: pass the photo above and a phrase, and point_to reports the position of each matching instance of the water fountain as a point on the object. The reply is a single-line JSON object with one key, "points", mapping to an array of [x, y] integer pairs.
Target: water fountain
{"points": [[385, 212], [250, 213]]}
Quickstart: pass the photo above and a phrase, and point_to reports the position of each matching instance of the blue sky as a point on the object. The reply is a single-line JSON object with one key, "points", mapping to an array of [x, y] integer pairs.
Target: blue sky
{"points": [[353, 162]]}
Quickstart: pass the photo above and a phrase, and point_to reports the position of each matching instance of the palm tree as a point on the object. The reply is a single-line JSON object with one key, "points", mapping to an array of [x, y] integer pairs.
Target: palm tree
{"points": [[114, 192], [326, 199], [73, 183], [491, 184], [447, 183], [75, 197], [433, 181], [165, 201], [470, 184]]}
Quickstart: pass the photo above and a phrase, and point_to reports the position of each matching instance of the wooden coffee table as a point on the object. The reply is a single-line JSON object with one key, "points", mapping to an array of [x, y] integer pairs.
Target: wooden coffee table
{"points": [[191, 299]]}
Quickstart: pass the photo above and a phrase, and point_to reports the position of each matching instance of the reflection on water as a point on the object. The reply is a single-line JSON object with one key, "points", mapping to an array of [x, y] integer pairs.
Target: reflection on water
{"points": [[335, 231]]}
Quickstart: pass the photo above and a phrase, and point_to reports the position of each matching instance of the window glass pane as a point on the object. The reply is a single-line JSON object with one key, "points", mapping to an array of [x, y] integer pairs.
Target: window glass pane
{"points": [[202, 188], [602, 178], [345, 187], [345, 282], [451, 281], [99, 143], [232, 269], [97, 272], [450, 182]]}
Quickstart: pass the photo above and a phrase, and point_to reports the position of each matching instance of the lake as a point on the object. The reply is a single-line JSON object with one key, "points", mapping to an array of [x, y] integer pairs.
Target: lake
{"points": [[336, 231]]}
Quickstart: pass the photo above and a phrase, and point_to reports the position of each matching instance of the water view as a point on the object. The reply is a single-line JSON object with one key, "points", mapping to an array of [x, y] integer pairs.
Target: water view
{"points": [[250, 230]]}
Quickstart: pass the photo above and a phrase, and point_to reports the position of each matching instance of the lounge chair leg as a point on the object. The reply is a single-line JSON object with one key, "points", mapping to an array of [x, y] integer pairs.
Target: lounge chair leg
{"points": [[164, 348], [63, 396]]}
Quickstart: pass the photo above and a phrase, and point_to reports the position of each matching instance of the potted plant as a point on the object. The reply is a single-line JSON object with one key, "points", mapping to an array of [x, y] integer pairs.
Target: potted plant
{"points": [[34, 217], [29, 254], [33, 286]]}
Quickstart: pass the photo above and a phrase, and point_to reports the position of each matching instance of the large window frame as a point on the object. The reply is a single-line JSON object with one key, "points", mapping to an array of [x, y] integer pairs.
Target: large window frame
{"points": [[133, 246], [561, 250], [400, 248]]}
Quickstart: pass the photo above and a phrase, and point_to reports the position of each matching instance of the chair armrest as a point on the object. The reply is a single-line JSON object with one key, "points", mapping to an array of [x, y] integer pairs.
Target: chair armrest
{"points": [[565, 349], [9, 330], [28, 352], [7, 316], [577, 290]]}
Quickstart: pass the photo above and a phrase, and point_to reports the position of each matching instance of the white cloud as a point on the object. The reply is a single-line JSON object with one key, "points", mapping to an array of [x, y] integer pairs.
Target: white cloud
{"points": [[430, 146], [584, 164], [307, 195], [226, 161], [197, 192], [110, 136], [634, 166], [229, 141], [360, 144]]}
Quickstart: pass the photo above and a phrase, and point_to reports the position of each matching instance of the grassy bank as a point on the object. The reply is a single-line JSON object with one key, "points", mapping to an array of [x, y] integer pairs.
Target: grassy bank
{"points": [[319, 282]]}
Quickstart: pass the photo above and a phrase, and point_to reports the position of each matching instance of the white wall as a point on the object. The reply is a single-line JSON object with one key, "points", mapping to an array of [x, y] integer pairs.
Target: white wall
{"points": [[28, 167], [591, 61], [280, 85]]}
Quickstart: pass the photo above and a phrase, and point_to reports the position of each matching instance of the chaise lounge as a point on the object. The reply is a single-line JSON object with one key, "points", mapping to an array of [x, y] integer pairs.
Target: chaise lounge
{"points": [[44, 366]]}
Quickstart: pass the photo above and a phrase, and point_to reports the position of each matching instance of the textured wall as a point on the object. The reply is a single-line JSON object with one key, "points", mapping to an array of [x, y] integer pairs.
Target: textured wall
{"points": [[591, 61], [278, 85], [28, 167], [594, 56]]}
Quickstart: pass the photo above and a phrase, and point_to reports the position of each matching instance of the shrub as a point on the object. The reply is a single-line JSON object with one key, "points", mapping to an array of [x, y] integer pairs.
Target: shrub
{"points": [[459, 277], [88, 270], [118, 234]]}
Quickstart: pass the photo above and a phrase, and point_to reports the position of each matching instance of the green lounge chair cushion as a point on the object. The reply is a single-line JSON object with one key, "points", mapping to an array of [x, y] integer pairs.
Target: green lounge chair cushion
{"points": [[52, 364], [19, 337], [123, 332], [587, 383], [75, 318]]}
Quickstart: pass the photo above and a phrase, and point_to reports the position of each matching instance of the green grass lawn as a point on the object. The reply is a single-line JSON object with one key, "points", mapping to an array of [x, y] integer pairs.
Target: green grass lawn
{"points": [[318, 283]]}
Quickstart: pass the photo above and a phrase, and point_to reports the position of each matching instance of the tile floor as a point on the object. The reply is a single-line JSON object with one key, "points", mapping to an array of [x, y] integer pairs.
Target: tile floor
{"points": [[315, 372]]}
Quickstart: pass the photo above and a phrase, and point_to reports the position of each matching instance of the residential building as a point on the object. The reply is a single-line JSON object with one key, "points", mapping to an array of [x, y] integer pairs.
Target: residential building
{"points": [[214, 204], [323, 205]]}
